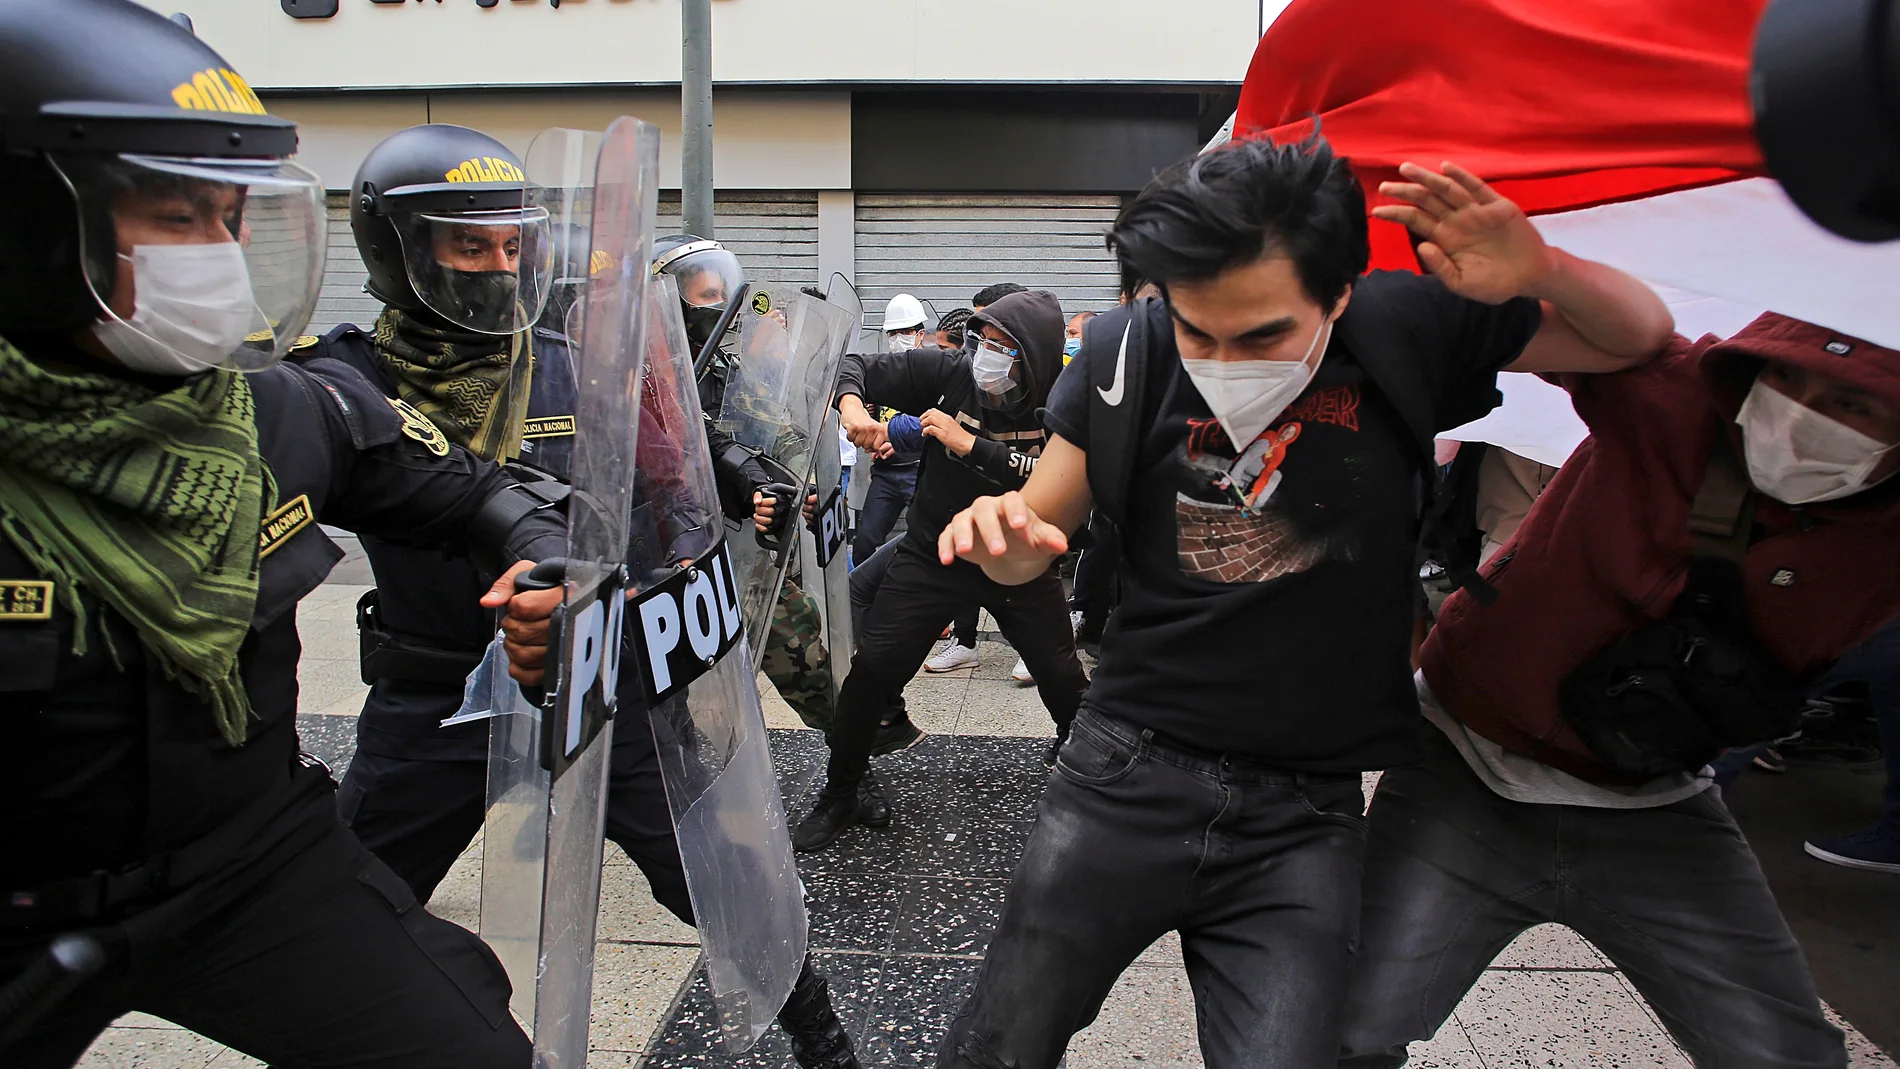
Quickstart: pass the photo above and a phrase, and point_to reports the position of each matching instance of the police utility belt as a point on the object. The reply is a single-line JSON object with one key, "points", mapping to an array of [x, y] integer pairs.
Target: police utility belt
{"points": [[386, 657]]}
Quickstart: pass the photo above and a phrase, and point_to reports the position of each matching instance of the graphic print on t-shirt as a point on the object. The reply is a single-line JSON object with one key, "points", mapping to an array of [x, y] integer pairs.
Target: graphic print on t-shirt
{"points": [[1271, 511]]}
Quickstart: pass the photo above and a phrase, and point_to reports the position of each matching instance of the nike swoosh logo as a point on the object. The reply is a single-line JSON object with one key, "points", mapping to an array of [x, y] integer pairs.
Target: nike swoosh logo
{"points": [[1113, 395]]}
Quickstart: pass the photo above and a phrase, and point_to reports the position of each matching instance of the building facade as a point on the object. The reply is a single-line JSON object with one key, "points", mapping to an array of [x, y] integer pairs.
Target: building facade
{"points": [[933, 146]]}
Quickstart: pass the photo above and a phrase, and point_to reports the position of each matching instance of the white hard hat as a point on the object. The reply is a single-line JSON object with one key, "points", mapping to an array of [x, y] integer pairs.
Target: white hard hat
{"points": [[903, 313]]}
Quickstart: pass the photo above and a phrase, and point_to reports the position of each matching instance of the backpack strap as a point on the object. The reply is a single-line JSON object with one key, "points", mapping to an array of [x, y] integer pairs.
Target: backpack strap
{"points": [[1116, 349], [1722, 515]]}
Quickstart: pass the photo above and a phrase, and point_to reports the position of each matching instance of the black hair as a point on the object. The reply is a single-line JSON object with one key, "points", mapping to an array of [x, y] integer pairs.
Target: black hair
{"points": [[1245, 200], [951, 323], [989, 295], [1131, 282]]}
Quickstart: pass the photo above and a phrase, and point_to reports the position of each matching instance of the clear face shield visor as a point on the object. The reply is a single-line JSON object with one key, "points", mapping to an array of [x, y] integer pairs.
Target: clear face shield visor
{"points": [[485, 271], [198, 263]]}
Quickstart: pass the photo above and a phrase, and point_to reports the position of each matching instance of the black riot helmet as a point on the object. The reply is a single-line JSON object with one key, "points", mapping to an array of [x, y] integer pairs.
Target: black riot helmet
{"points": [[441, 220], [150, 196], [574, 264], [708, 276]]}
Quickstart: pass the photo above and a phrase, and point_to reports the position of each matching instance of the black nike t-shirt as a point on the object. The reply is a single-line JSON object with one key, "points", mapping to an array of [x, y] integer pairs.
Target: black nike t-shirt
{"points": [[1268, 593]]}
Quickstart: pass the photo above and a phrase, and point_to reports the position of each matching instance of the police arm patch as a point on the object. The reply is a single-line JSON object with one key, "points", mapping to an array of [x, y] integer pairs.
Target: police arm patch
{"points": [[417, 426]]}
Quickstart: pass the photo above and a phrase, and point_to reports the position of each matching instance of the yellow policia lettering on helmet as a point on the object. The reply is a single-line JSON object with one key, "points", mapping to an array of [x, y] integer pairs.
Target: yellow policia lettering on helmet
{"points": [[217, 89], [485, 169], [599, 262]]}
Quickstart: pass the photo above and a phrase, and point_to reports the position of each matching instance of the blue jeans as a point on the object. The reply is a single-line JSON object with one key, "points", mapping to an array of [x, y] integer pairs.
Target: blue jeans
{"points": [[1257, 869], [890, 491]]}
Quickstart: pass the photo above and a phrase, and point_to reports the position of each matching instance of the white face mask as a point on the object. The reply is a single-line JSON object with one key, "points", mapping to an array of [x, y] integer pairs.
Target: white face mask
{"points": [[193, 308], [1797, 456], [903, 343], [1248, 395], [991, 367]]}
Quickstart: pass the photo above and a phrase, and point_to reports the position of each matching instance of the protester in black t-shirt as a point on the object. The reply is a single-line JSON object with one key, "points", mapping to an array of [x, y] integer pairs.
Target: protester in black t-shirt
{"points": [[1259, 659]]}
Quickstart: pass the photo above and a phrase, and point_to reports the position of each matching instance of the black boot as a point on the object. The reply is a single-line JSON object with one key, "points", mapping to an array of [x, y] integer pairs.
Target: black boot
{"points": [[874, 810], [835, 810], [819, 1040]]}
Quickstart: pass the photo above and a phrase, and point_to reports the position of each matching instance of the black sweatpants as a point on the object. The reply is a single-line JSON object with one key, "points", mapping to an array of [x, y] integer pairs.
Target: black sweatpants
{"points": [[418, 816], [328, 963], [918, 594]]}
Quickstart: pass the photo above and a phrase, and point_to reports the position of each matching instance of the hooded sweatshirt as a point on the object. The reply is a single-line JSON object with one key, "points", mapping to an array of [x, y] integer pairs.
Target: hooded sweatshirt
{"points": [[1009, 437], [1607, 547]]}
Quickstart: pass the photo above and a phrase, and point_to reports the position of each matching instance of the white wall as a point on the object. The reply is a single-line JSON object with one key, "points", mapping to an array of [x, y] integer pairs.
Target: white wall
{"points": [[637, 42], [781, 140]]}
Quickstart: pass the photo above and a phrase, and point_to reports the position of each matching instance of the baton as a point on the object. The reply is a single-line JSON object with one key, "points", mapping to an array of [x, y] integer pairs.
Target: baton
{"points": [[59, 970]]}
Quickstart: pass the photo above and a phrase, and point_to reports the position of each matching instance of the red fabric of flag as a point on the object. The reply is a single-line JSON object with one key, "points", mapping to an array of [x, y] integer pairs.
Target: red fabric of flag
{"points": [[1560, 104]]}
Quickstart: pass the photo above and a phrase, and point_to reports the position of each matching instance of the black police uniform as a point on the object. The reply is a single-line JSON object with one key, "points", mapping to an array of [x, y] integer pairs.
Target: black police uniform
{"points": [[415, 791], [231, 899]]}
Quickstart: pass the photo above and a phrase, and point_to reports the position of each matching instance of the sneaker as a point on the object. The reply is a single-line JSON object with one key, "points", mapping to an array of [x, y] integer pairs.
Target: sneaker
{"points": [[1075, 621], [874, 810], [1875, 850], [899, 734], [1020, 673], [953, 656], [834, 812]]}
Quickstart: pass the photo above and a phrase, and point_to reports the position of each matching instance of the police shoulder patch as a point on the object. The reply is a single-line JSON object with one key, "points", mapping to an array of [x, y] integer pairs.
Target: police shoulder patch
{"points": [[417, 426], [304, 341], [289, 518], [761, 303], [25, 599]]}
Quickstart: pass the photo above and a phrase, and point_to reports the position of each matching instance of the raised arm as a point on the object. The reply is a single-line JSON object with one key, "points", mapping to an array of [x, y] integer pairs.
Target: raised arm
{"points": [[1482, 246], [1015, 536]]}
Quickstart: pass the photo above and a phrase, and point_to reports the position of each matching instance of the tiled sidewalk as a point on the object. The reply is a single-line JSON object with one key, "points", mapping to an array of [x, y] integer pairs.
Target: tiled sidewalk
{"points": [[900, 916]]}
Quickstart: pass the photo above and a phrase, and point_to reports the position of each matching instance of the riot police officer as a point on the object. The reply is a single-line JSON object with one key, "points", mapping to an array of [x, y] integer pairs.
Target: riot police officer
{"points": [[709, 276], [158, 524], [455, 340]]}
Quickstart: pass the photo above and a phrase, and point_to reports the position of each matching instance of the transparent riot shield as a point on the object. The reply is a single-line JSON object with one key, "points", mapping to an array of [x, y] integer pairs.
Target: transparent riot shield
{"points": [[824, 564], [688, 644], [541, 847], [776, 396]]}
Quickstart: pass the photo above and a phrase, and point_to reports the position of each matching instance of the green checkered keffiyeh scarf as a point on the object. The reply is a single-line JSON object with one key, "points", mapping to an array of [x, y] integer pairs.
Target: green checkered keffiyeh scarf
{"points": [[150, 501], [472, 386]]}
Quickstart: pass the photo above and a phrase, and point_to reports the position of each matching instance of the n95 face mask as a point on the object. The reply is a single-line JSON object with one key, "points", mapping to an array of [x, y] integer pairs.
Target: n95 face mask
{"points": [[1248, 395]]}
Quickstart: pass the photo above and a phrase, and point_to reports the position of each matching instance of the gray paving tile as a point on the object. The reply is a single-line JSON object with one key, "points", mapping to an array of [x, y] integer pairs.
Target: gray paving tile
{"points": [[458, 897], [1148, 1020], [322, 682], [1451, 1048], [634, 987], [937, 703], [1000, 707], [998, 658], [628, 912], [1861, 1051], [1519, 1018], [149, 1048]]}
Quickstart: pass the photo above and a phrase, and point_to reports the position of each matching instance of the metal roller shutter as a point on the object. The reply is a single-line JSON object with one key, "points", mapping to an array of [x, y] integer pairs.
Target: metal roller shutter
{"points": [[774, 234], [945, 248]]}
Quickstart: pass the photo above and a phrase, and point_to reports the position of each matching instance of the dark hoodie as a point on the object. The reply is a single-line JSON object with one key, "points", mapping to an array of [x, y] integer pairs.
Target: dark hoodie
{"points": [[1607, 547], [1008, 438]]}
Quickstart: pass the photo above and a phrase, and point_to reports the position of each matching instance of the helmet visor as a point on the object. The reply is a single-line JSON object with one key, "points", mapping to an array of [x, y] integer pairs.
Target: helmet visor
{"points": [[486, 271], [706, 278], [217, 262]]}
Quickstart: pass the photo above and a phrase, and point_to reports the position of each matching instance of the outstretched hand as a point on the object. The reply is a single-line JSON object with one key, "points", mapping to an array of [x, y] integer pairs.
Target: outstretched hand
{"points": [[1004, 536], [1480, 244]]}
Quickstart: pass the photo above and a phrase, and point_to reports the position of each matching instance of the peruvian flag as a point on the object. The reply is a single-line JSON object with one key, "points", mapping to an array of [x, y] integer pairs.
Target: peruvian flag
{"points": [[1622, 126]]}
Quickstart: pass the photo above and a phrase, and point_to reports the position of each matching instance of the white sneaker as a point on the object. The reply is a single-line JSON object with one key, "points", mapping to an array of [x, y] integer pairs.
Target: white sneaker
{"points": [[953, 656], [1075, 622], [1020, 673]]}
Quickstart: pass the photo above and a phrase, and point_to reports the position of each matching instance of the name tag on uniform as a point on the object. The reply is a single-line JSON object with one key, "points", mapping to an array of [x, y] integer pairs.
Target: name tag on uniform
{"points": [[292, 516], [25, 599], [548, 427]]}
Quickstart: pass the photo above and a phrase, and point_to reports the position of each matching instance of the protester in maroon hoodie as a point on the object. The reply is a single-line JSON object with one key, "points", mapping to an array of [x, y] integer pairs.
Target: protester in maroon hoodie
{"points": [[1546, 795]]}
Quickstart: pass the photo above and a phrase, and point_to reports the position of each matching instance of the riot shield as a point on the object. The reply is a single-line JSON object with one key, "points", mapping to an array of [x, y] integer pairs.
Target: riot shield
{"points": [[775, 401], [824, 565], [547, 778], [687, 642]]}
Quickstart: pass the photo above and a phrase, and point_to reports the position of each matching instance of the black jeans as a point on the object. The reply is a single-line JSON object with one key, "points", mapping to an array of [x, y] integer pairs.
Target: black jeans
{"points": [[418, 816], [917, 595], [327, 963], [1671, 895], [884, 501], [1258, 870]]}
